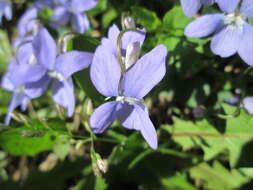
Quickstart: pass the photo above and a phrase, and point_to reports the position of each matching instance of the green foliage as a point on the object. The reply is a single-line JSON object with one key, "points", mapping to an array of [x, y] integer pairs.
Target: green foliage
{"points": [[33, 138]]}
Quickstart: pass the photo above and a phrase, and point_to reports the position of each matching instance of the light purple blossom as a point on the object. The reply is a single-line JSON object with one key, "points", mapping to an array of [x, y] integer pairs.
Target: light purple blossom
{"points": [[140, 77], [59, 69], [15, 80], [232, 32], [73, 11], [5, 10], [38, 65]]}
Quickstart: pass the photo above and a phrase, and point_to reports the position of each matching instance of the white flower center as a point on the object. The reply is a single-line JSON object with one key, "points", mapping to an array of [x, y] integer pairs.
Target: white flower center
{"points": [[129, 100], [56, 75], [234, 20], [32, 60], [20, 89]]}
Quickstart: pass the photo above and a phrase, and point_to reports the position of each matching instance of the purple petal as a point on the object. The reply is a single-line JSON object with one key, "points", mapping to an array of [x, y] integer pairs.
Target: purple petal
{"points": [[61, 16], [246, 45], [16, 100], [138, 119], [25, 73], [146, 73], [247, 8], [80, 23], [132, 37], [111, 42], [103, 116], [226, 42], [105, 72], [248, 104], [8, 11], [25, 52], [207, 2], [36, 89], [204, 25], [45, 49], [6, 83], [63, 94], [190, 7], [228, 6], [72, 62], [27, 21], [84, 5]]}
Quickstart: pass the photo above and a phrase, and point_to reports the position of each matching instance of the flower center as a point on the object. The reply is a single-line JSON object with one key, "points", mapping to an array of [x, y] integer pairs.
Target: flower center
{"points": [[128, 99], [56, 75], [234, 20], [20, 89], [32, 60]]}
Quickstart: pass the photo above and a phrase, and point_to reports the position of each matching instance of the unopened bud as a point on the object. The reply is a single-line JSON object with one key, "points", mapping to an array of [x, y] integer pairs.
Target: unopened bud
{"points": [[102, 165], [129, 23], [132, 54]]}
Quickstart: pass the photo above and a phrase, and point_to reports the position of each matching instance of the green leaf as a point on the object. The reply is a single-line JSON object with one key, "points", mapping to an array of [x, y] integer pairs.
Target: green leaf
{"points": [[218, 177], [234, 135], [30, 140], [101, 6], [146, 18]]}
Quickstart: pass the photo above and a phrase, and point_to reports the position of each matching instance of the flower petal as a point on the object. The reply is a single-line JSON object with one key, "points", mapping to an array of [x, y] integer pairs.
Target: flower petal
{"points": [[105, 72], [228, 6], [25, 73], [73, 61], [248, 104], [207, 2], [246, 45], [138, 119], [36, 89], [146, 73], [80, 23], [45, 49], [204, 25], [111, 42], [8, 11], [16, 100], [60, 17], [247, 8], [81, 6], [190, 7], [226, 42], [27, 21], [132, 37], [63, 94], [103, 116]]}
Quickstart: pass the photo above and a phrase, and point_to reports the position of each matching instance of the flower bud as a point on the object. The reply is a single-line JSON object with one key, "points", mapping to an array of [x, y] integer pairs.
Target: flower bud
{"points": [[132, 54], [129, 23]]}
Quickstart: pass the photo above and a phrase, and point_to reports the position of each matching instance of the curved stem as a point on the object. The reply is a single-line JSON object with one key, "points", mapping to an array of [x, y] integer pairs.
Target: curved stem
{"points": [[62, 47]]}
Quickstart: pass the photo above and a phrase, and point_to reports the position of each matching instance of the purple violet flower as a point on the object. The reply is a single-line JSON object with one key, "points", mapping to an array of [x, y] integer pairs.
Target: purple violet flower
{"points": [[5, 10], [24, 88], [73, 10], [232, 32], [59, 69], [134, 83]]}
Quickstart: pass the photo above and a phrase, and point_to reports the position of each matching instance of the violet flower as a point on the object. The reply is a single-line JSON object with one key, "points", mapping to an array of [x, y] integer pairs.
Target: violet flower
{"points": [[24, 88], [232, 32], [129, 86], [59, 69], [5, 10], [73, 11]]}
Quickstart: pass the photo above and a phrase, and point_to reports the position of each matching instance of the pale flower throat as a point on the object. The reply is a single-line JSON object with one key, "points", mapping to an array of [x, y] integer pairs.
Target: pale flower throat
{"points": [[234, 20]]}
